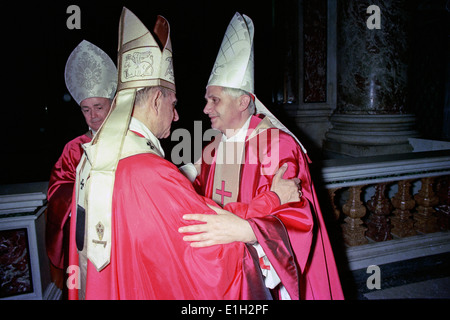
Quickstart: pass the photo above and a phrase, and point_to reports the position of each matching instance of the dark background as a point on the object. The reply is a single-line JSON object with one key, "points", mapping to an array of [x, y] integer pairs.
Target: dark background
{"points": [[37, 121]]}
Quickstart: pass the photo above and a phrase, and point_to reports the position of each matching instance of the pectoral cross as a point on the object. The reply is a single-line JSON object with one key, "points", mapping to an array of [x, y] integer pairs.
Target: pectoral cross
{"points": [[223, 193]]}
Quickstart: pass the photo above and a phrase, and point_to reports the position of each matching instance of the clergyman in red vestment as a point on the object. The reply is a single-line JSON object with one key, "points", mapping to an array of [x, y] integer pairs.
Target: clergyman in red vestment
{"points": [[292, 239], [94, 95]]}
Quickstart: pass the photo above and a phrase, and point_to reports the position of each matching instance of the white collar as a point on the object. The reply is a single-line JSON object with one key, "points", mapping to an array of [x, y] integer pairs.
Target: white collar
{"points": [[139, 127], [240, 135]]}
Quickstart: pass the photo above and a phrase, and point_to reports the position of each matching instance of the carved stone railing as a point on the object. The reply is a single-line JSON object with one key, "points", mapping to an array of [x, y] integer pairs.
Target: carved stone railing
{"points": [[381, 198]]}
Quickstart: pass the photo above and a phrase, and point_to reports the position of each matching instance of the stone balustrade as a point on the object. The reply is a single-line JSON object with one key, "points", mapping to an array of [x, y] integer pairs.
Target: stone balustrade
{"points": [[381, 198]]}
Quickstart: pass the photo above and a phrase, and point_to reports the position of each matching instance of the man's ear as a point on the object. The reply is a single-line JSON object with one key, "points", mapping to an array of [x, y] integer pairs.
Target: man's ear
{"points": [[157, 101], [244, 102]]}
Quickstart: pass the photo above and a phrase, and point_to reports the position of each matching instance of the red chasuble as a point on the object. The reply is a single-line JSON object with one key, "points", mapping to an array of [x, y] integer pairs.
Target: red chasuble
{"points": [[149, 259], [293, 236], [59, 196]]}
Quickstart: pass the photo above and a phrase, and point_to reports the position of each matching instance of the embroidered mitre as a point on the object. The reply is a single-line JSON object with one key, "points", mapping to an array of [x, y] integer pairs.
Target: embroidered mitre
{"points": [[142, 63], [90, 73], [234, 65]]}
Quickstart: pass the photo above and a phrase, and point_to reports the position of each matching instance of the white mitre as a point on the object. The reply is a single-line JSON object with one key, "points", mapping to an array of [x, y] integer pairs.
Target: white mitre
{"points": [[234, 66], [90, 72], [234, 63], [142, 63]]}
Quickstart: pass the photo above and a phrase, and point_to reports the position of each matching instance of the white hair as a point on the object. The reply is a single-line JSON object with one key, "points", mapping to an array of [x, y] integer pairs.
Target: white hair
{"points": [[236, 93], [143, 94]]}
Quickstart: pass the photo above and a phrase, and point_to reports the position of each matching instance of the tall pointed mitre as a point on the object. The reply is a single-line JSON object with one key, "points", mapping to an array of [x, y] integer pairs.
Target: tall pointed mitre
{"points": [[90, 73], [142, 63], [234, 66]]}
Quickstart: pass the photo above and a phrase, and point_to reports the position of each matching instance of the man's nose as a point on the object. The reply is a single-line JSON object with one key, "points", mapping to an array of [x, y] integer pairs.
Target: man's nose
{"points": [[93, 114], [207, 108], [175, 116]]}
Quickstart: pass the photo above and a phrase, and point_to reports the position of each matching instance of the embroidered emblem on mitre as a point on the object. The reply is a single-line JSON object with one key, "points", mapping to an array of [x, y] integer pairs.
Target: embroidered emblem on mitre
{"points": [[90, 72], [234, 63], [142, 62]]}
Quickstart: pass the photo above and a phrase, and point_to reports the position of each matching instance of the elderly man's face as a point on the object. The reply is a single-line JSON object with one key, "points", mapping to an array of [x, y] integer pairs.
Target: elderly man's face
{"points": [[95, 111], [167, 115], [222, 109]]}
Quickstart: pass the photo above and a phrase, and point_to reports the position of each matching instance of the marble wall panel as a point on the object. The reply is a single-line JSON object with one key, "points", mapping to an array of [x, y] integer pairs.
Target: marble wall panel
{"points": [[315, 50], [15, 271]]}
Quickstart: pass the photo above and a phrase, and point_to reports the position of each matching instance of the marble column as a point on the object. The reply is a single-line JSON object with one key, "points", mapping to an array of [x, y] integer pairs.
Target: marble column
{"points": [[371, 117]]}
